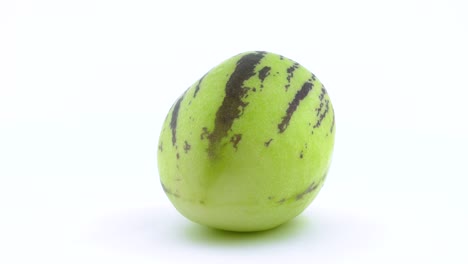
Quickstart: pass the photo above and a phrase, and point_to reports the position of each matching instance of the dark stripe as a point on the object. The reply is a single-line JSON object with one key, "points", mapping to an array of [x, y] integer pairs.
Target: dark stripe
{"points": [[175, 116], [323, 115], [290, 71], [197, 88], [235, 140], [310, 189], [166, 190], [321, 97], [264, 72], [232, 105], [169, 192], [300, 95], [333, 121]]}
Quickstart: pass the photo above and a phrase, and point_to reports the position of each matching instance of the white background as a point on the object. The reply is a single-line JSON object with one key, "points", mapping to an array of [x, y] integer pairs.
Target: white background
{"points": [[85, 86]]}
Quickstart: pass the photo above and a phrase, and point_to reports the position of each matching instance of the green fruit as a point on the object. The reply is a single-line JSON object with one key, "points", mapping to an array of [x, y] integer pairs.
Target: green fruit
{"points": [[248, 146]]}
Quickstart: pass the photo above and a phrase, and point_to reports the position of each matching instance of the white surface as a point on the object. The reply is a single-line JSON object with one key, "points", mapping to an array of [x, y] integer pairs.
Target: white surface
{"points": [[85, 85]]}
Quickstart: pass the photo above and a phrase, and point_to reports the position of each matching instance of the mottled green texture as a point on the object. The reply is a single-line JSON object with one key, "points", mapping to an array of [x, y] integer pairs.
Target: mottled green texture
{"points": [[248, 146]]}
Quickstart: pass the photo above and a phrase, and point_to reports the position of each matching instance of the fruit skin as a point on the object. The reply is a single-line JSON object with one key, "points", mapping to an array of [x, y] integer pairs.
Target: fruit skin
{"points": [[248, 146]]}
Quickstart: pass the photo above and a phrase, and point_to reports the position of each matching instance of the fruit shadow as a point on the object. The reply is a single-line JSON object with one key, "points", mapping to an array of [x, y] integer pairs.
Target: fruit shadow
{"points": [[160, 228], [298, 226]]}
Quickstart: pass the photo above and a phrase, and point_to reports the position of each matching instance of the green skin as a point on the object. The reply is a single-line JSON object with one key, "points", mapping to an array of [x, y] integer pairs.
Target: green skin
{"points": [[248, 146]]}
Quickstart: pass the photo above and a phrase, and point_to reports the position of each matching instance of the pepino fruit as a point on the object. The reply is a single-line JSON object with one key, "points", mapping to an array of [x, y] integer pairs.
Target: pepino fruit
{"points": [[248, 146]]}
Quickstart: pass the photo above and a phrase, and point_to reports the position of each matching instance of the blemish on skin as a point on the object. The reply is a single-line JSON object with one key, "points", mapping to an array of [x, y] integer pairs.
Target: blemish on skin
{"points": [[201, 202], [177, 155], [205, 133], [187, 146], [160, 147], [267, 143], [282, 201], [270, 197], [301, 155]]}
